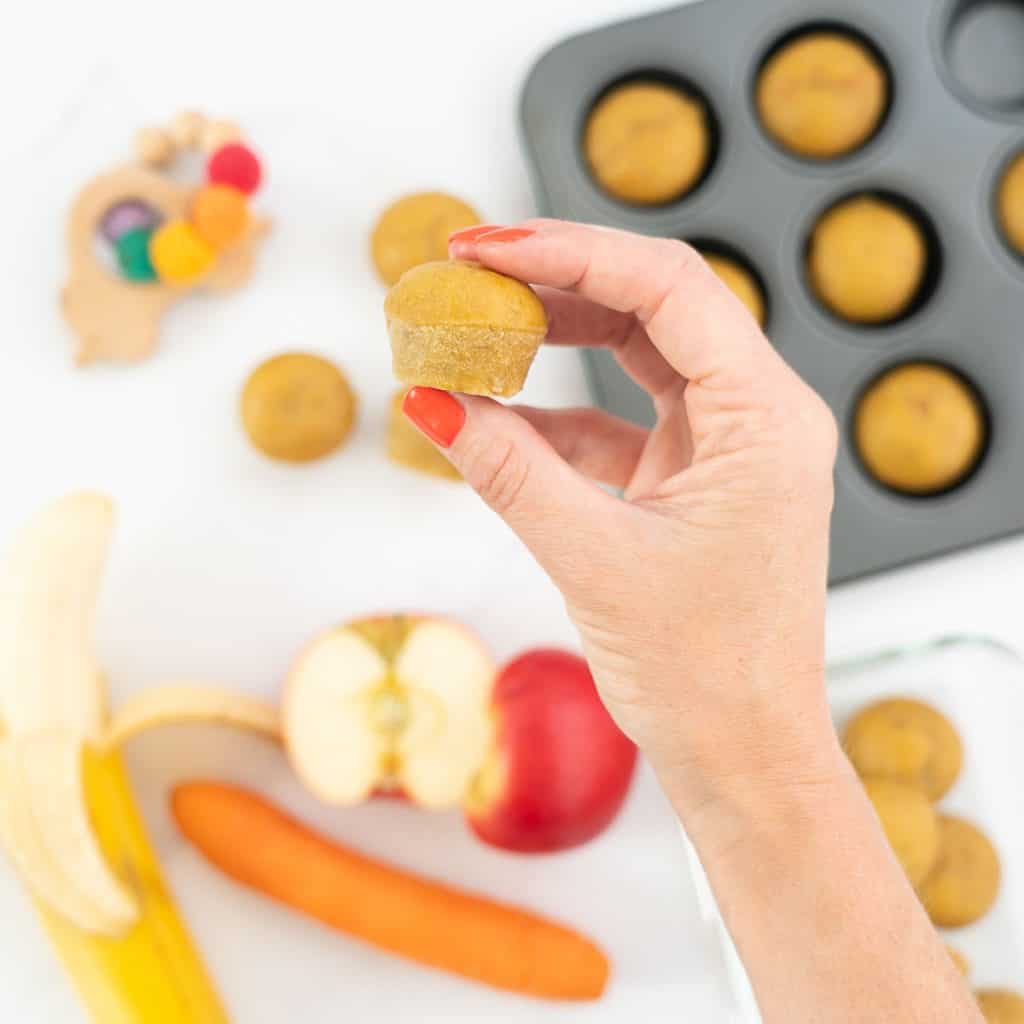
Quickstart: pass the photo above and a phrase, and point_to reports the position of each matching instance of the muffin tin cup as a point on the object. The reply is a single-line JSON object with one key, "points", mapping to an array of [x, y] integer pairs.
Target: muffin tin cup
{"points": [[942, 153]]}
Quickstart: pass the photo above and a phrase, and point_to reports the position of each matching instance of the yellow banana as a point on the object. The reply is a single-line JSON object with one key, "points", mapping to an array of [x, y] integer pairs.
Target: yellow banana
{"points": [[152, 974], [68, 820]]}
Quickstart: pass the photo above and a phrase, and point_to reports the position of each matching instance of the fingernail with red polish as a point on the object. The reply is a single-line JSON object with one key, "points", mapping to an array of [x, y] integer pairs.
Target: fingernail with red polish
{"points": [[436, 413], [505, 235], [471, 234]]}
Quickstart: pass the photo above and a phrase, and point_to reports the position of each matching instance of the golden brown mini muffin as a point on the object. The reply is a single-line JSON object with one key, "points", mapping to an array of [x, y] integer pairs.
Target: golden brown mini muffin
{"points": [[458, 326], [920, 429], [910, 823], [1011, 205], [297, 407], [964, 884], [741, 282], [647, 143], [906, 741], [415, 230], [822, 95], [408, 447], [1000, 1006], [867, 260], [963, 965]]}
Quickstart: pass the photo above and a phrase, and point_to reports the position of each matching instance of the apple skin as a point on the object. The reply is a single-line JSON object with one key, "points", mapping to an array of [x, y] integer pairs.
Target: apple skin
{"points": [[561, 767]]}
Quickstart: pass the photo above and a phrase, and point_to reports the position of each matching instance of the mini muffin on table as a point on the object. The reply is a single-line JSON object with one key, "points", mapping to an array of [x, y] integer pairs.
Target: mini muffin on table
{"points": [[910, 823], [298, 407], [408, 447], [415, 230], [1000, 1006], [964, 884], [906, 741], [458, 326]]}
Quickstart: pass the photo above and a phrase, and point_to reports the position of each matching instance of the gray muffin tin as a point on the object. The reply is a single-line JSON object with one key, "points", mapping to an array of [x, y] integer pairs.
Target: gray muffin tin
{"points": [[956, 117]]}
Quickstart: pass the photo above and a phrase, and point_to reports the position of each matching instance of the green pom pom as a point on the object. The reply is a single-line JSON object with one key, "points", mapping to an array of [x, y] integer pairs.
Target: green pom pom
{"points": [[133, 255]]}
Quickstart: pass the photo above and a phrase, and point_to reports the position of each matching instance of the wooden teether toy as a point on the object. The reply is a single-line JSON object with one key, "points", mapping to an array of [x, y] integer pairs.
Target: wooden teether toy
{"points": [[163, 238]]}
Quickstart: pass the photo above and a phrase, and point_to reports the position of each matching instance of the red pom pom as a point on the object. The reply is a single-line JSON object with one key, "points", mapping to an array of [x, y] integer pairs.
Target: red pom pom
{"points": [[235, 165]]}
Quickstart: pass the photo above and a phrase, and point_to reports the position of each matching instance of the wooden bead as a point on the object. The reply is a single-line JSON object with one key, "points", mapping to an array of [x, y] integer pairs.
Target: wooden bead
{"points": [[219, 133], [154, 147], [187, 129]]}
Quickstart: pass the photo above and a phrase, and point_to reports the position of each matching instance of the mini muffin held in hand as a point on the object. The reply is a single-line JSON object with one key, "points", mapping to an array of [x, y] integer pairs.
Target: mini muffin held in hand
{"points": [[409, 448], [297, 407], [964, 884], [415, 230], [458, 326], [910, 824], [905, 741], [1001, 1006]]}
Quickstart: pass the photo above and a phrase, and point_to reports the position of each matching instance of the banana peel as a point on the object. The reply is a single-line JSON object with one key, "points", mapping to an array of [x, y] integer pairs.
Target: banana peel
{"points": [[68, 820]]}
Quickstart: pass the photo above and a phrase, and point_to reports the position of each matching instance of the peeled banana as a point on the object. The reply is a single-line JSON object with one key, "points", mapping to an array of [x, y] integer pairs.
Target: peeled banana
{"points": [[68, 820]]}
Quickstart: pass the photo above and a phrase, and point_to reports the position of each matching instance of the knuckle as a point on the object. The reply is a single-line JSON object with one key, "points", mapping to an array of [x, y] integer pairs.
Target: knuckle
{"points": [[680, 256], [498, 473]]}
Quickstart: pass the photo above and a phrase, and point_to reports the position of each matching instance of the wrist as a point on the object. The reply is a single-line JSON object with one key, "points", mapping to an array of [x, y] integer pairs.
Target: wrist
{"points": [[769, 781]]}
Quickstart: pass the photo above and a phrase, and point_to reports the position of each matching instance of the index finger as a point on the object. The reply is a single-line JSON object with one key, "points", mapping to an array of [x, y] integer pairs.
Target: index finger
{"points": [[702, 330]]}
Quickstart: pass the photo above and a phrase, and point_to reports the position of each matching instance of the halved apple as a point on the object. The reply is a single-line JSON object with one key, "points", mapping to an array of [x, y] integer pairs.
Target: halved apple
{"points": [[390, 703]]}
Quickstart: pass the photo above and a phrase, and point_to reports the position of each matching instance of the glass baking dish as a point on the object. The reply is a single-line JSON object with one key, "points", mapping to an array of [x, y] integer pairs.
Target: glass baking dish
{"points": [[979, 683]]}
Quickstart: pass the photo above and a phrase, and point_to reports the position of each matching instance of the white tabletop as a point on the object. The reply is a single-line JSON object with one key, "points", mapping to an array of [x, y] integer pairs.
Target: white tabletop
{"points": [[224, 563]]}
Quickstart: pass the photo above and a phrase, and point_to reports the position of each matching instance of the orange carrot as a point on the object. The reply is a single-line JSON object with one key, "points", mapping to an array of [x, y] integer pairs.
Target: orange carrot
{"points": [[259, 846]]}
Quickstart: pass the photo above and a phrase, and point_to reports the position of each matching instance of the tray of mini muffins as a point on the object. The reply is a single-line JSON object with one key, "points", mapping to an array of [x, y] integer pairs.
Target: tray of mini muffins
{"points": [[933, 733], [854, 171]]}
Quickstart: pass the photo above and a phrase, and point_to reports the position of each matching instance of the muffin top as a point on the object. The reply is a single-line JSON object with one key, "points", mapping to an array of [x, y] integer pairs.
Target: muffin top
{"points": [[867, 259], [647, 142], [459, 292], [822, 95], [920, 428]]}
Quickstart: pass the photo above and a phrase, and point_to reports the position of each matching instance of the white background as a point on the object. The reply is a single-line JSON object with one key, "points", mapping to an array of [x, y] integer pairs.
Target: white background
{"points": [[225, 564]]}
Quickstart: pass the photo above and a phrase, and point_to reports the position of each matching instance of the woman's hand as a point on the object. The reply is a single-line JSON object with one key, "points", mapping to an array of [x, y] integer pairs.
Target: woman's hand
{"points": [[700, 599]]}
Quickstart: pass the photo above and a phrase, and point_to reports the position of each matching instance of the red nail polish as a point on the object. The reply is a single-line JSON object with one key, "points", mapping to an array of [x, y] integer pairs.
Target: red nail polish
{"points": [[504, 235], [473, 233], [436, 413]]}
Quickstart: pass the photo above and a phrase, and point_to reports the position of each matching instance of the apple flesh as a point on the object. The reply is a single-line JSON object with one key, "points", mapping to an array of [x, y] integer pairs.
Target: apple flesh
{"points": [[395, 703], [560, 767]]}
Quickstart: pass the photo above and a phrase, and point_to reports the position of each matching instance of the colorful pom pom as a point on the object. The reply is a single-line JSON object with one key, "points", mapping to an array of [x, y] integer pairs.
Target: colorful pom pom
{"points": [[236, 165], [179, 254], [220, 214], [133, 254]]}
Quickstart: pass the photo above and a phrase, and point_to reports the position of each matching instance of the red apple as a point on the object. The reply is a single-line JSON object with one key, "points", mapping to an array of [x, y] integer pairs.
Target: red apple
{"points": [[560, 767]]}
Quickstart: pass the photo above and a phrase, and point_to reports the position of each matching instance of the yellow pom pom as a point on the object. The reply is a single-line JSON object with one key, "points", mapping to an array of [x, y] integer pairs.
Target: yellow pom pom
{"points": [[178, 253]]}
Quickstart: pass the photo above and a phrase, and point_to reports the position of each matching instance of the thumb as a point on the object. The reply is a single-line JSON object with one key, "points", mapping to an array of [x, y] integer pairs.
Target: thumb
{"points": [[563, 518]]}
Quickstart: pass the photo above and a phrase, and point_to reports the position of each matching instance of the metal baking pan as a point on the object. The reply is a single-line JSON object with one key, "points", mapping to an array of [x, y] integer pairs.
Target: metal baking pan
{"points": [[956, 117]]}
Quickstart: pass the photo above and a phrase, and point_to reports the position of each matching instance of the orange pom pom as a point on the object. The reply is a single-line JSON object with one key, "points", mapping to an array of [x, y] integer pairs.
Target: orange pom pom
{"points": [[179, 254], [220, 214]]}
